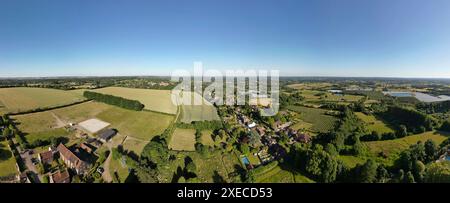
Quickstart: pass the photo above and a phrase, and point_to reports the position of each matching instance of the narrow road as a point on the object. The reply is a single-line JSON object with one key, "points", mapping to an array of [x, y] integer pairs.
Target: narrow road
{"points": [[106, 173]]}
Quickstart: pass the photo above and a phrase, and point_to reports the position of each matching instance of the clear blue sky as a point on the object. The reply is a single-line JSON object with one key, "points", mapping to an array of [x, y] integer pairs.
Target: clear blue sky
{"points": [[405, 38]]}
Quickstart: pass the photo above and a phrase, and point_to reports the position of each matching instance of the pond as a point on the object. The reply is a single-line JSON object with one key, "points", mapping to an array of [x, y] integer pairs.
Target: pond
{"points": [[420, 96]]}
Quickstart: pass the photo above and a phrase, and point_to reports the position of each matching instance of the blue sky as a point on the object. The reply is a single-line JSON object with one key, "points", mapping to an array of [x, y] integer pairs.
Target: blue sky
{"points": [[396, 38]]}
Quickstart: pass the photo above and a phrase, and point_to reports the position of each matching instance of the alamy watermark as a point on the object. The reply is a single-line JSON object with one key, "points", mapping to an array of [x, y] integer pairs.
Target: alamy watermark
{"points": [[229, 87]]}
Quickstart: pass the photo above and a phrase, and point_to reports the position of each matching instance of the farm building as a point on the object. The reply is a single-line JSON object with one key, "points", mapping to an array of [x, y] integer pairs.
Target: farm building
{"points": [[72, 161], [46, 157], [107, 135], [60, 177], [93, 126]]}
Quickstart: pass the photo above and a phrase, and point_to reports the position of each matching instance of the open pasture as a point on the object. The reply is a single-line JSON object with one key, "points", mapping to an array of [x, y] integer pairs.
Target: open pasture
{"points": [[374, 124], [153, 100], [21, 99], [183, 140], [317, 117], [139, 124], [192, 112]]}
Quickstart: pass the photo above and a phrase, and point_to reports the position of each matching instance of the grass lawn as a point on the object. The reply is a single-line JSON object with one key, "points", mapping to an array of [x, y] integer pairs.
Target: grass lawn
{"points": [[206, 138], [393, 147], [279, 175], [46, 135], [116, 167], [134, 145], [154, 100], [19, 99], [182, 140], [301, 125], [317, 117], [139, 124], [7, 161], [374, 124]]}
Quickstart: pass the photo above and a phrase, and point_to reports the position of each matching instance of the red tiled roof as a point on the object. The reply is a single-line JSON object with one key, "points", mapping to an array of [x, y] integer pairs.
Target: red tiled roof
{"points": [[46, 156], [70, 156], [61, 177]]}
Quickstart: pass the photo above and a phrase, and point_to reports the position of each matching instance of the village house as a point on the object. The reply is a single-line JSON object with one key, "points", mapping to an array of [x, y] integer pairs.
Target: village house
{"points": [[261, 130], [72, 161], [303, 138], [60, 177], [46, 157]]}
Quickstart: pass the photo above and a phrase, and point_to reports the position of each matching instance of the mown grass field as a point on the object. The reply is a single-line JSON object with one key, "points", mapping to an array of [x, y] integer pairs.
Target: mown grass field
{"points": [[182, 140], [7, 161], [134, 145], [373, 124], [20, 99], [279, 175], [139, 124], [392, 148], [192, 112], [206, 138], [154, 100], [317, 117]]}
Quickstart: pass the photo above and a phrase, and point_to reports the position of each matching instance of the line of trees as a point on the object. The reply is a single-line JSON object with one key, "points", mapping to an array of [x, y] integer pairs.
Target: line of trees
{"points": [[114, 100]]}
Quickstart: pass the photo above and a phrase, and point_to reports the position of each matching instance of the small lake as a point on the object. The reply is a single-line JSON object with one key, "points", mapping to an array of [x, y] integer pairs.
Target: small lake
{"points": [[420, 96]]}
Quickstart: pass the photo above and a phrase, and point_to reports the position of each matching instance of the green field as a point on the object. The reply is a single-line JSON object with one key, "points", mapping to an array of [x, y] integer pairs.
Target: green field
{"points": [[279, 175], [374, 124], [182, 140], [206, 138], [317, 117], [7, 161], [209, 170], [193, 112], [20, 99], [153, 100], [393, 147], [139, 124], [134, 145], [351, 161]]}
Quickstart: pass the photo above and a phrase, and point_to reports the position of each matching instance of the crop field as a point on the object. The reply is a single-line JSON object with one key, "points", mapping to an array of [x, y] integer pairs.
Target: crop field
{"points": [[182, 140], [374, 124], [202, 112], [317, 117], [154, 100], [7, 161], [393, 147], [139, 124], [20, 99]]}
